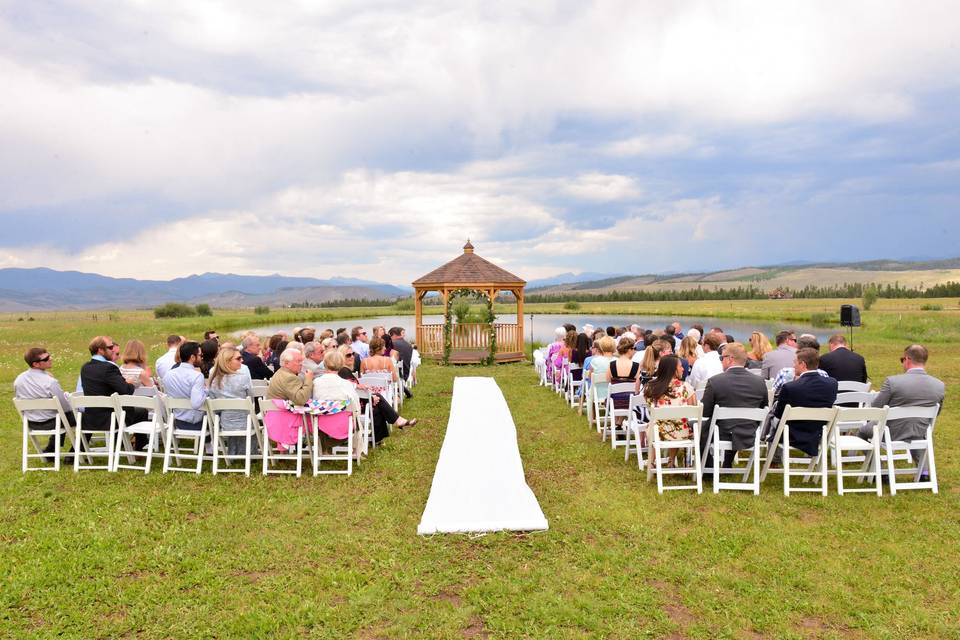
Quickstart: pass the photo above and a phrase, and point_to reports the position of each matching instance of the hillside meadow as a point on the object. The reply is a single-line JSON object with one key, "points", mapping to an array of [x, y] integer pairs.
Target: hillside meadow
{"points": [[100, 555]]}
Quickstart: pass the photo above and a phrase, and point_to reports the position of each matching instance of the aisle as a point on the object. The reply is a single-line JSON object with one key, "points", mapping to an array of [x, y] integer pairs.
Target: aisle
{"points": [[479, 484]]}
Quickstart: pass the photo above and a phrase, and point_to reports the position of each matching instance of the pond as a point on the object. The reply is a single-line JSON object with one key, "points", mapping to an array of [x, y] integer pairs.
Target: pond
{"points": [[542, 326]]}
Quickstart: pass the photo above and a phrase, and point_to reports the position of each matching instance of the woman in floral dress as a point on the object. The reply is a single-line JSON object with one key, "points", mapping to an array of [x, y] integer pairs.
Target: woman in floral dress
{"points": [[667, 389]]}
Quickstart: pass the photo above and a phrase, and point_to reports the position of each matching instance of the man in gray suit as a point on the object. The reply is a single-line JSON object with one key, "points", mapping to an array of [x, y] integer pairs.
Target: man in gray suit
{"points": [[913, 388], [735, 387], [781, 357]]}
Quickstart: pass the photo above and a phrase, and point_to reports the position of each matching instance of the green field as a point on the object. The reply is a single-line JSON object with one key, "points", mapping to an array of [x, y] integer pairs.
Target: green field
{"points": [[101, 555]]}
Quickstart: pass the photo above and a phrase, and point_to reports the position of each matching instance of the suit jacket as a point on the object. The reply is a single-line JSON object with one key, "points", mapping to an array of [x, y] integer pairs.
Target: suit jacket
{"points": [[773, 361], [843, 364], [405, 350], [809, 390], [258, 370], [100, 378], [915, 388], [735, 387]]}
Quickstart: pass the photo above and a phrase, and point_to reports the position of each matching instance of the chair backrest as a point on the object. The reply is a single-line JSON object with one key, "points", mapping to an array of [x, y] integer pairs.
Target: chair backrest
{"points": [[756, 372], [136, 402], [215, 405], [690, 412], [850, 385], [769, 382], [637, 401], [258, 392], [621, 387], [78, 401], [257, 383], [792, 414], [178, 403], [40, 404], [740, 413], [148, 392], [862, 398], [925, 413], [863, 414]]}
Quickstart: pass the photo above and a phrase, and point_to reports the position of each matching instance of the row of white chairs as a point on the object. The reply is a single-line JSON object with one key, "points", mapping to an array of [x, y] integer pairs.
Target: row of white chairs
{"points": [[115, 448], [850, 456]]}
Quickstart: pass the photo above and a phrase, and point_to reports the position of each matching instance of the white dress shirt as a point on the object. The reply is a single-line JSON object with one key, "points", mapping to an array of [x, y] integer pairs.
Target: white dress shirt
{"points": [[166, 362], [36, 384], [704, 369]]}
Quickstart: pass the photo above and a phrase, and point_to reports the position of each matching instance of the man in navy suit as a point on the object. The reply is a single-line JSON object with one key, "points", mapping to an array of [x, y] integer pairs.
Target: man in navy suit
{"points": [[809, 389], [843, 364]]}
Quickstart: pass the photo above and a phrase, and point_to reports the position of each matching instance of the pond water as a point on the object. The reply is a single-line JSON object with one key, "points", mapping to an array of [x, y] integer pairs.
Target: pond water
{"points": [[543, 325]]}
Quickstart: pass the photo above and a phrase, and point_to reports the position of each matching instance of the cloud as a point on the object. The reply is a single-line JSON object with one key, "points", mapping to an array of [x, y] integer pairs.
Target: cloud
{"points": [[649, 145], [602, 188]]}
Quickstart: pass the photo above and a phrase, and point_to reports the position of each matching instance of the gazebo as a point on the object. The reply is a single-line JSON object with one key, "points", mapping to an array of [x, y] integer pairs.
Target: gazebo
{"points": [[470, 342]]}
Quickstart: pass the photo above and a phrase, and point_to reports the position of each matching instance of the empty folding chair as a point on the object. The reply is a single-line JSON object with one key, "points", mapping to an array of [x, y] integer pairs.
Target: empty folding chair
{"points": [[153, 427], [241, 409], [618, 432], [815, 465], [657, 447], [896, 450], [35, 437], [719, 448], [854, 398], [176, 436], [868, 450], [271, 454], [636, 430], [339, 426], [851, 399], [850, 385], [105, 407]]}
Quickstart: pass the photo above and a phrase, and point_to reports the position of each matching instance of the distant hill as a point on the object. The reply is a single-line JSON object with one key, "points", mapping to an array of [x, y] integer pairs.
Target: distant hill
{"points": [[44, 289], [795, 276]]}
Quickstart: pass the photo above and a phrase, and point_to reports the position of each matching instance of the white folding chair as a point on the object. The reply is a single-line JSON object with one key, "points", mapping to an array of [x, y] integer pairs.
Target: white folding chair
{"points": [[271, 456], [365, 420], [815, 465], [152, 427], [540, 366], [382, 381], [868, 450], [850, 385], [636, 430], [574, 384], [618, 433], [175, 435], [656, 447], [719, 447], [85, 435], [343, 453], [861, 399], [895, 450], [851, 399], [597, 407], [61, 426], [222, 437]]}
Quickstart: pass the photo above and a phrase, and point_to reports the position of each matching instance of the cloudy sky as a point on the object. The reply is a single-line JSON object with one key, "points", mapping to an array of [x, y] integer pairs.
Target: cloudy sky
{"points": [[370, 139]]}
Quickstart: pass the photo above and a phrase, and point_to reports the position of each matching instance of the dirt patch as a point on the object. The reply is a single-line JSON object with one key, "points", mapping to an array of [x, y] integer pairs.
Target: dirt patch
{"points": [[476, 629], [679, 614], [450, 596], [675, 610], [252, 577]]}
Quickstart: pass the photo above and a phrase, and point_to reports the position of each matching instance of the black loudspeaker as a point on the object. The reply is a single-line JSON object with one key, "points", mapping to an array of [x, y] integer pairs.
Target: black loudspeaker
{"points": [[849, 315]]}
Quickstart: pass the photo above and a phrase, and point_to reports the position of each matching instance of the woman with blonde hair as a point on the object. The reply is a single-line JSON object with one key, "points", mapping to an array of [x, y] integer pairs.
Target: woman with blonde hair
{"points": [[228, 381], [687, 354], [759, 346], [135, 363], [651, 357]]}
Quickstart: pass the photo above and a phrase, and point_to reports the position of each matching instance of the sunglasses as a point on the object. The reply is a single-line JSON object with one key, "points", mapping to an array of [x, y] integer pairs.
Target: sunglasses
{"points": [[46, 358], [902, 359], [112, 346], [348, 355]]}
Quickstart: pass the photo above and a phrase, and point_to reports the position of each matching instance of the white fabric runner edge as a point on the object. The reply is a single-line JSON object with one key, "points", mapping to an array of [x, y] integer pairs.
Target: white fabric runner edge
{"points": [[479, 485]]}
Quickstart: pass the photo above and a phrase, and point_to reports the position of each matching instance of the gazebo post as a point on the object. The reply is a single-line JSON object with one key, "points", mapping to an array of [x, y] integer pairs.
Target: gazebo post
{"points": [[518, 294], [418, 306]]}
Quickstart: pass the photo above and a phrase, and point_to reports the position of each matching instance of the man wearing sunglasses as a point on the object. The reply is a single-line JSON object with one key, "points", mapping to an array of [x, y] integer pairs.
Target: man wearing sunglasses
{"points": [[37, 383]]}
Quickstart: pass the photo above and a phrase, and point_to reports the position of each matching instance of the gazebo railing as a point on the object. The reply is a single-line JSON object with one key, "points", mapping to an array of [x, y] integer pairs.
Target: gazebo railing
{"points": [[469, 336]]}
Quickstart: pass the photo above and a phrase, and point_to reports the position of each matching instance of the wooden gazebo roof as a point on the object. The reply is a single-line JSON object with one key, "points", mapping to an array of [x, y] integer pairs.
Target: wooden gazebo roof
{"points": [[469, 268]]}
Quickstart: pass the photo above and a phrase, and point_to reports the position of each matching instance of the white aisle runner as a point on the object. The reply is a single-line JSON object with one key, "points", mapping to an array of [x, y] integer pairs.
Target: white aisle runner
{"points": [[479, 483]]}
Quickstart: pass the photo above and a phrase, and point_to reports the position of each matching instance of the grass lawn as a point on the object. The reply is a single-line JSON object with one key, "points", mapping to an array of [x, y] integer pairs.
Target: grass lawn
{"points": [[100, 555]]}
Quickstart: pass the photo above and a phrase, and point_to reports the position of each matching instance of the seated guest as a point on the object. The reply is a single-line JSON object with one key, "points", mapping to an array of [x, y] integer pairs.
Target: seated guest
{"points": [[403, 352], [228, 381], [787, 374], [697, 336], [135, 363], [208, 355], [167, 360], [343, 338], [678, 331], [735, 387], [286, 383], [666, 389], [101, 377], [211, 335], [912, 388], [622, 370], [251, 358], [781, 357], [359, 339], [37, 383], [276, 348], [759, 347], [809, 390], [186, 381], [581, 350], [313, 357], [383, 412], [841, 363], [308, 334], [331, 386], [708, 365], [611, 331], [600, 364], [649, 361], [688, 354], [562, 354]]}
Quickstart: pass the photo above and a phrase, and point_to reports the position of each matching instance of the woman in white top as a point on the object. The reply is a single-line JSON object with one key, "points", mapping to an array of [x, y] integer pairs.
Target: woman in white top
{"points": [[134, 363], [330, 386]]}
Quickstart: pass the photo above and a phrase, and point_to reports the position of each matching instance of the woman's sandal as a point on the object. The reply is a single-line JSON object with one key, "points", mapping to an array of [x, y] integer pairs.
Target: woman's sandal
{"points": [[406, 423]]}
